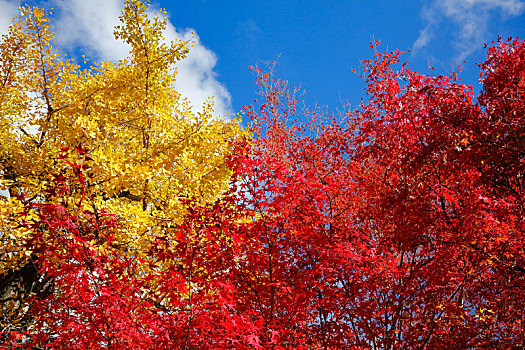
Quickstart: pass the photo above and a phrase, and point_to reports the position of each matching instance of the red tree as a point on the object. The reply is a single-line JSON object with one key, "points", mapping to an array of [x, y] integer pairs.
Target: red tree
{"points": [[98, 298], [443, 183], [399, 226]]}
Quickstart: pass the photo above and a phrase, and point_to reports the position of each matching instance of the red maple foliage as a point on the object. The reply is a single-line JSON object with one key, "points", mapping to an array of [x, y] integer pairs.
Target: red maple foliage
{"points": [[99, 298], [398, 225], [443, 185]]}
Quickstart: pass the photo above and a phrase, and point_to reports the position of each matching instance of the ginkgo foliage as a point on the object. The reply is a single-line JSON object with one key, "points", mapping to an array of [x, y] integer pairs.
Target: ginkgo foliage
{"points": [[399, 225], [149, 151]]}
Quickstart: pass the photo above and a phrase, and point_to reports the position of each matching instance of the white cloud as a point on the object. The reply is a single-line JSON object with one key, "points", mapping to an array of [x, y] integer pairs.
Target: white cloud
{"points": [[196, 78], [88, 25], [8, 10], [424, 38], [471, 18]]}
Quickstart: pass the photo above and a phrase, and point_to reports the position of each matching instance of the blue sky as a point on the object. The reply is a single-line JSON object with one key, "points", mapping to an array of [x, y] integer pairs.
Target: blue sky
{"points": [[316, 43]]}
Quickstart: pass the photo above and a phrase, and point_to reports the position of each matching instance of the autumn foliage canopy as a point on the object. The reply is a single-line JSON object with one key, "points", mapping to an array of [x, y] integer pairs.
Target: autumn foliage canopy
{"points": [[131, 222]]}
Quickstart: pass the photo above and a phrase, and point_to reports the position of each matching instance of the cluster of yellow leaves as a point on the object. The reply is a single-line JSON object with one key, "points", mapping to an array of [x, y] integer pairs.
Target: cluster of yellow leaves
{"points": [[149, 149], [13, 236]]}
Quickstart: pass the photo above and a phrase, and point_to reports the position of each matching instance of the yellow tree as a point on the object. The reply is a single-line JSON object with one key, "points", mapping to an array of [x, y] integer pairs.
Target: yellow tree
{"points": [[149, 149]]}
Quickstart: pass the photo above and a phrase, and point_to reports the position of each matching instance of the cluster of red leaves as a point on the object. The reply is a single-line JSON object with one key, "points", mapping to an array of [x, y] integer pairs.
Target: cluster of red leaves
{"points": [[100, 298], [442, 177], [399, 225]]}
